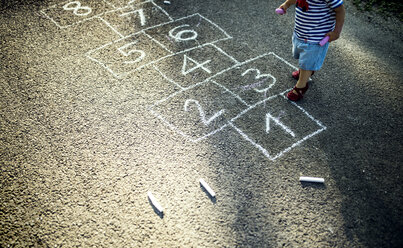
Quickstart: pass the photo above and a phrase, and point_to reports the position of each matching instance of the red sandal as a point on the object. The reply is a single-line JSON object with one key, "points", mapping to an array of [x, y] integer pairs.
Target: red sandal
{"points": [[295, 74], [300, 93]]}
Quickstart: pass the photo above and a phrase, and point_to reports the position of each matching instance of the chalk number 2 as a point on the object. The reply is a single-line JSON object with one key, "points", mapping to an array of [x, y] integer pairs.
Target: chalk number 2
{"points": [[201, 112]]}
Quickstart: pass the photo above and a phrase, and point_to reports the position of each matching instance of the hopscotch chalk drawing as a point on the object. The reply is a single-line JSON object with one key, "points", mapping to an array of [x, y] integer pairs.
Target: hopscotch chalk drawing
{"points": [[216, 91], [164, 40]]}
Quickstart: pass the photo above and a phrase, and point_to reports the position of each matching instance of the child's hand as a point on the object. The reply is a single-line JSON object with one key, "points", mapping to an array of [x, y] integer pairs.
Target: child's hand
{"points": [[284, 6], [333, 36]]}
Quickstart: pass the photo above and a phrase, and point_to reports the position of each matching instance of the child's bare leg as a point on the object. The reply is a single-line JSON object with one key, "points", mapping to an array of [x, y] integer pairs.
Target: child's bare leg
{"points": [[303, 78]]}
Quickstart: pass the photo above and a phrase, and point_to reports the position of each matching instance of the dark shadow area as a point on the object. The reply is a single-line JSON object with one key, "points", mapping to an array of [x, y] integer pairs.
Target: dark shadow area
{"points": [[9, 5], [364, 146], [212, 199], [160, 214], [320, 186]]}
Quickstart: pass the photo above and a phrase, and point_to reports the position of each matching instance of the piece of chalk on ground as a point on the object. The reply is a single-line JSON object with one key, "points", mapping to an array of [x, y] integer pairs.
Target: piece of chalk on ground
{"points": [[280, 11], [167, 2], [155, 202], [205, 185], [324, 41], [312, 179]]}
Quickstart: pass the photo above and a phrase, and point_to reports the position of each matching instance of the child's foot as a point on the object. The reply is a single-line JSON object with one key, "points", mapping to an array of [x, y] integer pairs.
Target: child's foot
{"points": [[296, 93], [295, 74]]}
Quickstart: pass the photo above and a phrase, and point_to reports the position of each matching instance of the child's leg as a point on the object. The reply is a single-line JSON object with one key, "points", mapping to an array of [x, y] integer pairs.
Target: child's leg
{"points": [[301, 87], [303, 78]]}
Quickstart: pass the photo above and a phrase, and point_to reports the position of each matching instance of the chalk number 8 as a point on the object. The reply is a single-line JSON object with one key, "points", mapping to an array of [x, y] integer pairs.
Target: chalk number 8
{"points": [[77, 9]]}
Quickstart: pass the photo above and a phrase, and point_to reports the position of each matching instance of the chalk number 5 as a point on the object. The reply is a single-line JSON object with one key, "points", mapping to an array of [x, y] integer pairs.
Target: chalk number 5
{"points": [[129, 49]]}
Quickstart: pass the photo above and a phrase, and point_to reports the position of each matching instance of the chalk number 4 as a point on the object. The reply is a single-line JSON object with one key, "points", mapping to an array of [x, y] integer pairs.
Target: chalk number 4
{"points": [[202, 66]]}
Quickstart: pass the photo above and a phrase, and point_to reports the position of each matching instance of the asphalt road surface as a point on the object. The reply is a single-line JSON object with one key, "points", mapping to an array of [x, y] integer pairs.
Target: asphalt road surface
{"points": [[102, 102]]}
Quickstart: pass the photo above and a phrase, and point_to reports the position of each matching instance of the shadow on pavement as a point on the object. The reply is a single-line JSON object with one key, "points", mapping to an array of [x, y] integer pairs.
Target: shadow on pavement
{"points": [[363, 146]]}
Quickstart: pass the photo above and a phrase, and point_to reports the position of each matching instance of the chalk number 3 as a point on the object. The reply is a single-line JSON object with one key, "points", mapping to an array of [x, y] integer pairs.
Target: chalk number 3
{"points": [[259, 76]]}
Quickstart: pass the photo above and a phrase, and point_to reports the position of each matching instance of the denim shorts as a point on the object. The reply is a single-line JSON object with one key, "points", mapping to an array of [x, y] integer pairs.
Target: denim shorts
{"points": [[310, 55]]}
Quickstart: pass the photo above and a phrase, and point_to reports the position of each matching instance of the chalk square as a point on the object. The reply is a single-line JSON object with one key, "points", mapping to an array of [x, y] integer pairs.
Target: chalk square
{"points": [[134, 18], [187, 33], [258, 78], [194, 66], [69, 13], [276, 125], [199, 111], [128, 54]]}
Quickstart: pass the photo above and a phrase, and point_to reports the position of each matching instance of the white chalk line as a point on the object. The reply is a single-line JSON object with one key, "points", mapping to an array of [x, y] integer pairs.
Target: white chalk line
{"points": [[163, 11], [112, 5], [166, 78], [111, 27], [226, 54], [264, 151], [252, 107], [125, 7], [156, 41], [277, 121], [104, 66], [176, 129], [304, 111], [230, 92], [51, 19]]}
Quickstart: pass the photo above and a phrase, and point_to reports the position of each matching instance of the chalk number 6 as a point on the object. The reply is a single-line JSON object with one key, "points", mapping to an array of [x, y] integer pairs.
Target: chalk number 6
{"points": [[183, 35]]}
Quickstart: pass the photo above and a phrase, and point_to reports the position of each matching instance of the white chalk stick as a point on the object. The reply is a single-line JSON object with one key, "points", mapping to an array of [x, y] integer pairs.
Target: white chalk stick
{"points": [[312, 179], [167, 2], [205, 185], [154, 202]]}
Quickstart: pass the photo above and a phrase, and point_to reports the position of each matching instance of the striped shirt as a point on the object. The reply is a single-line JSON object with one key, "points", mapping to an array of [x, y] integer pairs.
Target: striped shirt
{"points": [[317, 21]]}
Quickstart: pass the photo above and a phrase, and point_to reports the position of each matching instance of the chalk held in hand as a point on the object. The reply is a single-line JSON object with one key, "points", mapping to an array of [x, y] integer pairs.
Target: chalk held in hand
{"points": [[154, 202], [206, 187], [280, 11], [324, 41], [312, 179]]}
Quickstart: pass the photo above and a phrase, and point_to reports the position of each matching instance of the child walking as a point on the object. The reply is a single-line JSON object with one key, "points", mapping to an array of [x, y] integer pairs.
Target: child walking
{"points": [[314, 20]]}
